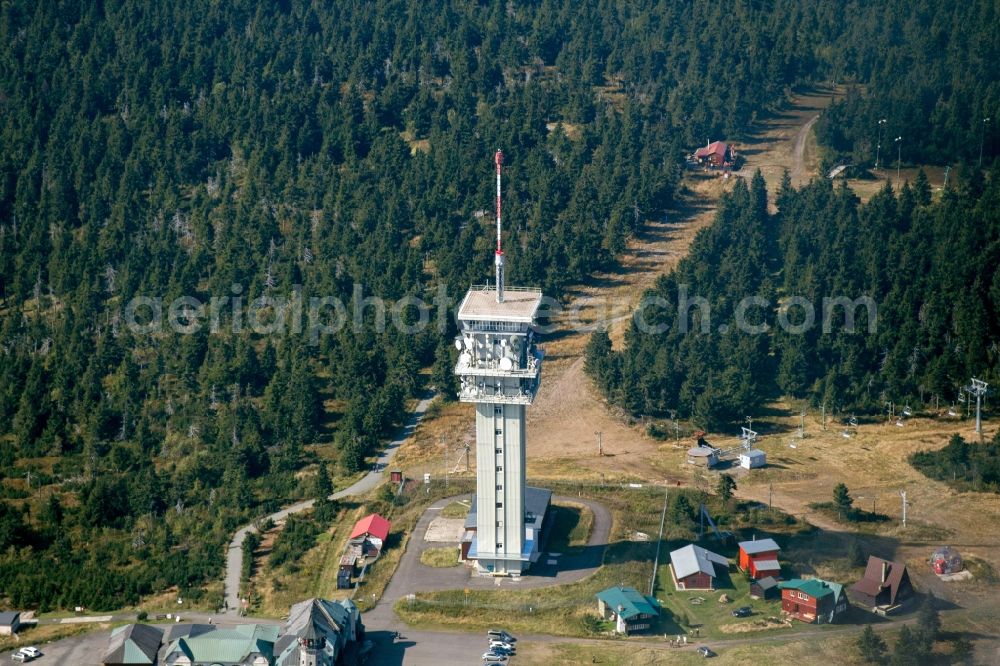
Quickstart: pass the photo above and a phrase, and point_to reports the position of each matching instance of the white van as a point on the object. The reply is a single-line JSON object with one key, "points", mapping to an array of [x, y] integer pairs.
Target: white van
{"points": [[500, 635], [503, 645]]}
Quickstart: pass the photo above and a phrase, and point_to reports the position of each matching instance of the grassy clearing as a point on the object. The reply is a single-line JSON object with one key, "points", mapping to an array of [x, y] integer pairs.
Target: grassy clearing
{"points": [[837, 649], [703, 614], [457, 509], [571, 527], [440, 558]]}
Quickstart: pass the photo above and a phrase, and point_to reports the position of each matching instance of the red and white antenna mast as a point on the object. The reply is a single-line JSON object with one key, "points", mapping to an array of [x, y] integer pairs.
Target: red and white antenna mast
{"points": [[499, 255]]}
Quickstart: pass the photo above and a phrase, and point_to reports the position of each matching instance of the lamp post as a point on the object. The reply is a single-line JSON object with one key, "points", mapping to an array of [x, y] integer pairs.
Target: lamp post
{"points": [[899, 154], [982, 137], [878, 145]]}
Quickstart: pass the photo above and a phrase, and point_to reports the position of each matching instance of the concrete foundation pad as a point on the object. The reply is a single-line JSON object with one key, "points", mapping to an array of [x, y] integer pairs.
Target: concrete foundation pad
{"points": [[445, 530]]}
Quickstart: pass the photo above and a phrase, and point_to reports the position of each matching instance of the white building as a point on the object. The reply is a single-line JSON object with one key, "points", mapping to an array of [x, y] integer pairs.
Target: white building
{"points": [[753, 458]]}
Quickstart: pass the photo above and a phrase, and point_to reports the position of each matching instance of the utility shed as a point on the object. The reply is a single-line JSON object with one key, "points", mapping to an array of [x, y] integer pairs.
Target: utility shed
{"points": [[765, 588], [752, 459], [10, 622], [133, 645]]}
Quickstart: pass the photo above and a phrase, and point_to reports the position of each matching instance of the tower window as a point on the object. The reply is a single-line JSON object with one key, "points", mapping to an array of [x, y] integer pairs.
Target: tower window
{"points": [[499, 431], [498, 411], [499, 486], [499, 505]]}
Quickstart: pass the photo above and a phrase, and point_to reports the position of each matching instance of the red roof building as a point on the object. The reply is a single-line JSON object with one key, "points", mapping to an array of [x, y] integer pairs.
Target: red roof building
{"points": [[715, 154], [759, 558], [372, 527]]}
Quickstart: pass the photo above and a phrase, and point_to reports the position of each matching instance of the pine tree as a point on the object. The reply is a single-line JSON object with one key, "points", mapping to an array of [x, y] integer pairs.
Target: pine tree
{"points": [[961, 650], [856, 555], [871, 646], [443, 373], [725, 488], [843, 501], [323, 486], [352, 454], [928, 623], [905, 652]]}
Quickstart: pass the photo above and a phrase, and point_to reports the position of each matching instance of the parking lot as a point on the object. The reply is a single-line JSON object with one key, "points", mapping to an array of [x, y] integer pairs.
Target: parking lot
{"points": [[83, 650]]}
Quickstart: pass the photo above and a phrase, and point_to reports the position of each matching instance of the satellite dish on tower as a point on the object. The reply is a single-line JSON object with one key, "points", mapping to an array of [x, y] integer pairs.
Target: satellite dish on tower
{"points": [[506, 364], [458, 344]]}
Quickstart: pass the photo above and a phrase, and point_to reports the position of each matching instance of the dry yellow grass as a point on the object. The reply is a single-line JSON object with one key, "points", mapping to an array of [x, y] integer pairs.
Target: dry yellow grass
{"points": [[441, 558], [46, 633]]}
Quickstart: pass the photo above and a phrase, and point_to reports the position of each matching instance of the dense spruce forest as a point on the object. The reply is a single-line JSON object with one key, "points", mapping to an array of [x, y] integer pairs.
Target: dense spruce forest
{"points": [[245, 149], [930, 72], [931, 267]]}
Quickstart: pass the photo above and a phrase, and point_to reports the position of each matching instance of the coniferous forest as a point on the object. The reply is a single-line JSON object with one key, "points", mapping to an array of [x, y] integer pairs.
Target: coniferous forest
{"points": [[930, 268], [245, 150]]}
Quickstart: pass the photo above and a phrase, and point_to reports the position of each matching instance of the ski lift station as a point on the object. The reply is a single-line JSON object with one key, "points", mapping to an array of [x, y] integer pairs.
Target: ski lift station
{"points": [[752, 459]]}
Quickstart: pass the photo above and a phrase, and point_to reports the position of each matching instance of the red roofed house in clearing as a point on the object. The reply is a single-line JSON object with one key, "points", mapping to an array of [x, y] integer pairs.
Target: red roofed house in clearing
{"points": [[759, 558], [370, 533], [716, 154]]}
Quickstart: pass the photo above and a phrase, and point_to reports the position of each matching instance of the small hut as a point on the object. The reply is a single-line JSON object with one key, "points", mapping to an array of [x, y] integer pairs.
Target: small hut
{"points": [[765, 588]]}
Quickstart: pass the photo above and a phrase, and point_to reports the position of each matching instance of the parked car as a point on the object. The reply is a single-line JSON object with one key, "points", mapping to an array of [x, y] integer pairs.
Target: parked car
{"points": [[494, 658], [742, 611], [500, 635], [32, 652], [705, 651], [504, 645], [495, 649]]}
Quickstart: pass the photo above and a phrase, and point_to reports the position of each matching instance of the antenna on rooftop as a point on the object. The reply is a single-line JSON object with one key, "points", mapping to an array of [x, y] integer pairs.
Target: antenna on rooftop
{"points": [[499, 255]]}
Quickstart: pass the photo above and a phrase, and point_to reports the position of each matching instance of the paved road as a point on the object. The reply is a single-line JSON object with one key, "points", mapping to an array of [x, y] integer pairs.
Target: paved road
{"points": [[234, 556]]}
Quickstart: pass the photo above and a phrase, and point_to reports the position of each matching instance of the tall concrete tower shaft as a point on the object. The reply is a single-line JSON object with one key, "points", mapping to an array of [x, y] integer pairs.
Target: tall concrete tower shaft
{"points": [[500, 370]]}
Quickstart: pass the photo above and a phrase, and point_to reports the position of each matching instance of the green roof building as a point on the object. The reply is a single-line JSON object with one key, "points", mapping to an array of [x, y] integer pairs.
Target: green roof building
{"points": [[630, 610], [813, 600], [243, 645]]}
